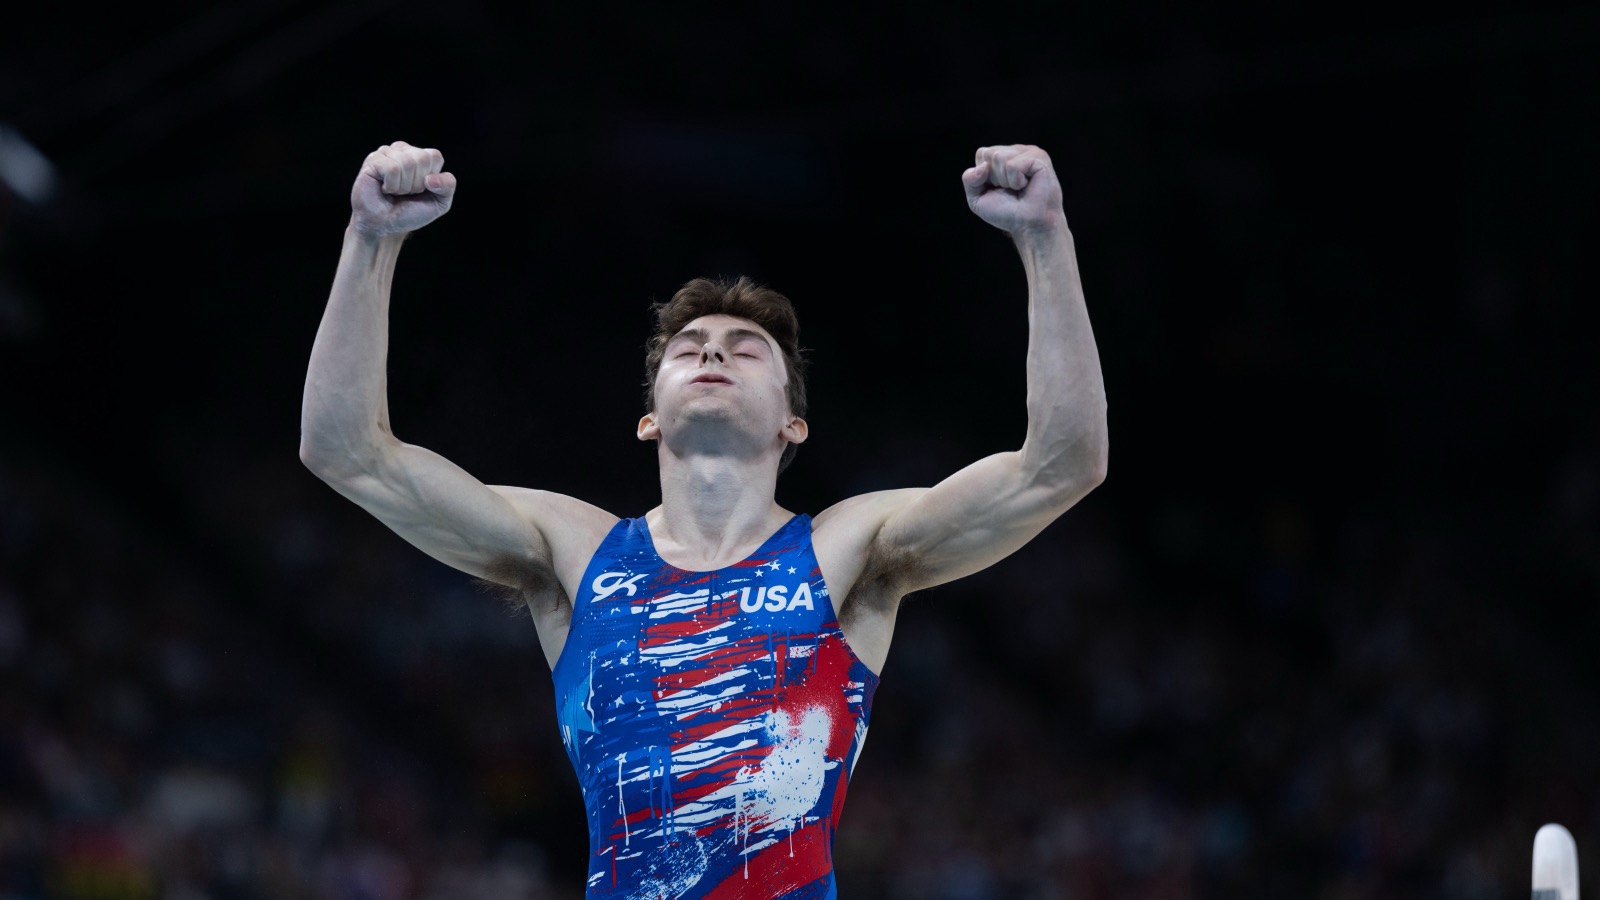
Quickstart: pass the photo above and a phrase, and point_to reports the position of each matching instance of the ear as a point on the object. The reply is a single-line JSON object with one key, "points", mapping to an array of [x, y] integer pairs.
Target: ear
{"points": [[649, 430], [795, 430]]}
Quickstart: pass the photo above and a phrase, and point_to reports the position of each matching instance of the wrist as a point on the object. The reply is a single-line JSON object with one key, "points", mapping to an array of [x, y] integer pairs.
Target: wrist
{"points": [[371, 235], [369, 250], [1041, 232]]}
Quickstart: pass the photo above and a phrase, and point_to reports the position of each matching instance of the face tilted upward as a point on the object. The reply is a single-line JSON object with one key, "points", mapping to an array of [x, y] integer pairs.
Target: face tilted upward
{"points": [[724, 372]]}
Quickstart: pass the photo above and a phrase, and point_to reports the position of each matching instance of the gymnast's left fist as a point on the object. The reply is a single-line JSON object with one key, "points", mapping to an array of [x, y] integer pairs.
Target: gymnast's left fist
{"points": [[1014, 188]]}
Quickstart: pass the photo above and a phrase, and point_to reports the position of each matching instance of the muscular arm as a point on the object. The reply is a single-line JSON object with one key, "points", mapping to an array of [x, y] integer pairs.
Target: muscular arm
{"points": [[515, 537], [923, 537]]}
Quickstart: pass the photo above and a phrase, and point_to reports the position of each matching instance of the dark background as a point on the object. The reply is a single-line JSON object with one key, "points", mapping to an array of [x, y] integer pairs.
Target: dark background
{"points": [[1326, 631]]}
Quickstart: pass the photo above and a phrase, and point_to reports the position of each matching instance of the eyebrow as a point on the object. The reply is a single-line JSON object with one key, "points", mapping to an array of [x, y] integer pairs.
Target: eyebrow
{"points": [[733, 336]]}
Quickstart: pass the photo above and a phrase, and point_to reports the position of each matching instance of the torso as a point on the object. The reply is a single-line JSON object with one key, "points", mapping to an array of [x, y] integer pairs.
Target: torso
{"points": [[713, 717]]}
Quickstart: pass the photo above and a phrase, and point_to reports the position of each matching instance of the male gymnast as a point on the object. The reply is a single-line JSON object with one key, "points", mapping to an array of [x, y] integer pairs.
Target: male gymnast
{"points": [[715, 659]]}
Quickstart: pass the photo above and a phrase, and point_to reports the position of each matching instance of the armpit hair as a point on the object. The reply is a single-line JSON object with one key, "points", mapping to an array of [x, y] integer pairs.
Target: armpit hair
{"points": [[883, 581], [521, 588]]}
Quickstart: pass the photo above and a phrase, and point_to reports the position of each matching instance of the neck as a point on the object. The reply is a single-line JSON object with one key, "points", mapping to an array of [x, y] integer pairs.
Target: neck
{"points": [[715, 509]]}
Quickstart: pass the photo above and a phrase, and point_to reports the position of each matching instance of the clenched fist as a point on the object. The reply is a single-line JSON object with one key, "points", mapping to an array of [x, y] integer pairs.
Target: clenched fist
{"points": [[1014, 189], [401, 188]]}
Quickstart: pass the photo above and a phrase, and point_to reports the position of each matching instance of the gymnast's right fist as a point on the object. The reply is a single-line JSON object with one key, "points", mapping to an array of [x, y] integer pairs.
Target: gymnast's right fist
{"points": [[401, 188]]}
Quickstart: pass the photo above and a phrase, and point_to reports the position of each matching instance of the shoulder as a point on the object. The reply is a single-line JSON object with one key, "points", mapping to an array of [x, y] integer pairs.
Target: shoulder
{"points": [[573, 529], [864, 512], [845, 537], [557, 511]]}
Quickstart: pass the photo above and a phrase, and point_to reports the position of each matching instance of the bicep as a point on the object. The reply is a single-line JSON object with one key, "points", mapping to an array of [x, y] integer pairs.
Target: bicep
{"points": [[445, 512], [967, 522]]}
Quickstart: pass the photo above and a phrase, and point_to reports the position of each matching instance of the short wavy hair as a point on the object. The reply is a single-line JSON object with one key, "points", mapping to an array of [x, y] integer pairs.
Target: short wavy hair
{"points": [[741, 298]]}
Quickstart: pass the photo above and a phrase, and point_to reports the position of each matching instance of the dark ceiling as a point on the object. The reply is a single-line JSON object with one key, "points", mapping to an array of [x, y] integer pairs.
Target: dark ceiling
{"points": [[1338, 255]]}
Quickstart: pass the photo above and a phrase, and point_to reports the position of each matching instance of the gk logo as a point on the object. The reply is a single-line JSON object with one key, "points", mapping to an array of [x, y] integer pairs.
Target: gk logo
{"points": [[608, 583]]}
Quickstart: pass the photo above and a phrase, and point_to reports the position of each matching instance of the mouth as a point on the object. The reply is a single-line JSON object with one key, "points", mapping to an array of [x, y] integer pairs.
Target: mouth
{"points": [[711, 378]]}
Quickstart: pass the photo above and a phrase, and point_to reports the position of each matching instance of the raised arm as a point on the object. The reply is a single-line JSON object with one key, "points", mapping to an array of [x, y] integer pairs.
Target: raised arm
{"points": [[512, 536], [920, 537]]}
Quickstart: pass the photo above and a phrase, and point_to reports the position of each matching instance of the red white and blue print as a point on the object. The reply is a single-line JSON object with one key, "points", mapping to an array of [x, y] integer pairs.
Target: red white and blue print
{"points": [[713, 719]]}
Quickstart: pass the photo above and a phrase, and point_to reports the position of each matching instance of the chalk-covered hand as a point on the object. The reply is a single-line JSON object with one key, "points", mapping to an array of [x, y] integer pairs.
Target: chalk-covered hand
{"points": [[401, 188], [1014, 188]]}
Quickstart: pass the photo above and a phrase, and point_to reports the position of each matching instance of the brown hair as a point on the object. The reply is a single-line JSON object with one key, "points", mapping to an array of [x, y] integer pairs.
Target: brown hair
{"points": [[743, 299]]}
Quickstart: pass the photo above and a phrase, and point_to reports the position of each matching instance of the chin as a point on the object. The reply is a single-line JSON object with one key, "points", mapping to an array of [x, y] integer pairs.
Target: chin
{"points": [[709, 409]]}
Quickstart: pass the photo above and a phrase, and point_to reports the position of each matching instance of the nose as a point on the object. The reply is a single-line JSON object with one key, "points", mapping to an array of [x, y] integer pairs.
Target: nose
{"points": [[712, 350]]}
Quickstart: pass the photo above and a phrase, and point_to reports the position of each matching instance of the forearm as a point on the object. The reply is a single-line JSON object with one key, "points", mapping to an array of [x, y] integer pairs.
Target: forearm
{"points": [[344, 417], [1066, 439]]}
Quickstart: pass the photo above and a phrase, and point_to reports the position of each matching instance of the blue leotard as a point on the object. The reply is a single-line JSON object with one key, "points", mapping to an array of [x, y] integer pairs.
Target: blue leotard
{"points": [[713, 719]]}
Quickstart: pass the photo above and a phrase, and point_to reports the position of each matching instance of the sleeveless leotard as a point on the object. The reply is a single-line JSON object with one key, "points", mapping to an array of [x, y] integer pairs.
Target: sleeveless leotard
{"points": [[713, 719]]}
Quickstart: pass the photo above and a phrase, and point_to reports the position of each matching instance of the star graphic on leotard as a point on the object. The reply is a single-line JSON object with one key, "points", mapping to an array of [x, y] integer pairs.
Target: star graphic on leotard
{"points": [[791, 570], [760, 572], [774, 566]]}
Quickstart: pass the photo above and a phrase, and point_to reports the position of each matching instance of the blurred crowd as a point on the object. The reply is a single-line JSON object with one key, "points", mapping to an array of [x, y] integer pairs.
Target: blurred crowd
{"points": [[270, 696], [169, 733]]}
